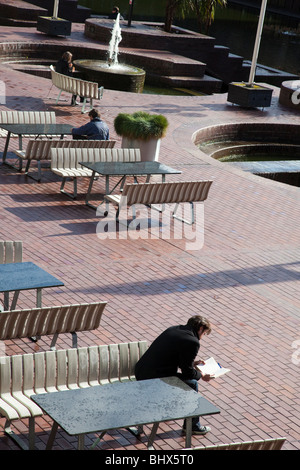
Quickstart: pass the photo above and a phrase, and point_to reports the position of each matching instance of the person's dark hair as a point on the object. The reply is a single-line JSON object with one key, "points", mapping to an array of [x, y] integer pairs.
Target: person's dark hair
{"points": [[197, 321], [67, 56], [94, 113]]}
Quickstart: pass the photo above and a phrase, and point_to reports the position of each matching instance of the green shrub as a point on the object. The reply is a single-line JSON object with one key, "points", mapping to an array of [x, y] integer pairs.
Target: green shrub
{"points": [[141, 125]]}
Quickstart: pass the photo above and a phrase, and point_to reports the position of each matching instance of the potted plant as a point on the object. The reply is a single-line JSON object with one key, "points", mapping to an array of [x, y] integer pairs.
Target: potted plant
{"points": [[142, 130]]}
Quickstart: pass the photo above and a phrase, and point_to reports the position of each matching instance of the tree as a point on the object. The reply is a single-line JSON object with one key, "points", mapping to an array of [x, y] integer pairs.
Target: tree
{"points": [[204, 9], [205, 12], [172, 6]]}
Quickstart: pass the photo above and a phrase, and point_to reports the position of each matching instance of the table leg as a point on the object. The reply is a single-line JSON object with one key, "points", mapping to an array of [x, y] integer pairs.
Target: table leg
{"points": [[52, 436], [152, 436], [80, 445], [188, 432], [6, 301], [15, 300], [39, 297], [38, 305], [89, 191], [6, 147]]}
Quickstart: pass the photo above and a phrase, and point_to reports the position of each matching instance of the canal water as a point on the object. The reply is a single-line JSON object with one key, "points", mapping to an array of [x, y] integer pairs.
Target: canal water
{"points": [[234, 26]]}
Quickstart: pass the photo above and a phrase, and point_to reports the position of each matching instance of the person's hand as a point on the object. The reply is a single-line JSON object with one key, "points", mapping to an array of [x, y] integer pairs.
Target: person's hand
{"points": [[207, 377], [199, 362]]}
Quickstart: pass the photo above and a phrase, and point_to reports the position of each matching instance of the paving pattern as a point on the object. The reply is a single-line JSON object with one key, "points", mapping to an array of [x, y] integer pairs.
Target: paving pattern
{"points": [[245, 278]]}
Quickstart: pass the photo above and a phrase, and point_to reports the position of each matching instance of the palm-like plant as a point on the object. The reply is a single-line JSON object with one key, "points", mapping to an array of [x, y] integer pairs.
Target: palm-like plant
{"points": [[205, 12], [204, 9]]}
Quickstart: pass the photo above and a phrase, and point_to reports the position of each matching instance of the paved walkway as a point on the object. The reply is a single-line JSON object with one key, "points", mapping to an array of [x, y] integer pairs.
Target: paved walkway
{"points": [[245, 279]]}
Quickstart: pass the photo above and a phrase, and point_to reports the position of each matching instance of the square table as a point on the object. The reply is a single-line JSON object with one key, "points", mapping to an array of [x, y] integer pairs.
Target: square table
{"points": [[121, 405], [125, 169], [24, 276], [33, 130]]}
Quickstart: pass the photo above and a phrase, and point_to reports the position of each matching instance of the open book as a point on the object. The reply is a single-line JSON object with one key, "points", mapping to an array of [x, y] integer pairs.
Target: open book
{"points": [[212, 367]]}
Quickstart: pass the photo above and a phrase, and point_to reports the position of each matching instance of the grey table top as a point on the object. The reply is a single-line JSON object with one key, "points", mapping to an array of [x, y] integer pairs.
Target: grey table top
{"points": [[123, 404], [130, 168], [25, 276], [35, 129]]}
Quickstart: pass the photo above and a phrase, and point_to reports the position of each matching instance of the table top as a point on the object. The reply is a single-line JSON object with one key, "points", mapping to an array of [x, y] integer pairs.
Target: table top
{"points": [[37, 128], [123, 404], [130, 168], [25, 276]]}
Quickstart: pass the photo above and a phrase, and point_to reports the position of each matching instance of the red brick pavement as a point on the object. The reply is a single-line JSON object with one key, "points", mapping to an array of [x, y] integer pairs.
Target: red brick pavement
{"points": [[245, 278]]}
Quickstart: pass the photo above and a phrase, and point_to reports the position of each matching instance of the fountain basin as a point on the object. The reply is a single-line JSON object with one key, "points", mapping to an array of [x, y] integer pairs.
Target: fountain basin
{"points": [[120, 77]]}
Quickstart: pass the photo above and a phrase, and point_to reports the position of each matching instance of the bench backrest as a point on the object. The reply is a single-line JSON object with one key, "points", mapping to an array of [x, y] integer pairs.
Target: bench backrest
{"points": [[70, 157], [50, 320], [11, 252], [27, 117], [268, 444], [170, 192], [40, 148], [69, 368], [74, 85]]}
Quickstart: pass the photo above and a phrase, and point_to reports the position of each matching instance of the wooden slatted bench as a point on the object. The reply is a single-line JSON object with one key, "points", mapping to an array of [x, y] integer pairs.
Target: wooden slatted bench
{"points": [[150, 194], [267, 444], [11, 251], [55, 320], [40, 149], [76, 86], [24, 117], [22, 376], [66, 162]]}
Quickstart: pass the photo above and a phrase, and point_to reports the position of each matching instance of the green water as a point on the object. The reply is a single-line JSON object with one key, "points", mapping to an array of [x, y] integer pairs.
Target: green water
{"points": [[257, 158]]}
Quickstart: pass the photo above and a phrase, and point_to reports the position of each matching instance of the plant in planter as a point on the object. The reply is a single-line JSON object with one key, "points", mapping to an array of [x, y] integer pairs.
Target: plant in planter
{"points": [[142, 130]]}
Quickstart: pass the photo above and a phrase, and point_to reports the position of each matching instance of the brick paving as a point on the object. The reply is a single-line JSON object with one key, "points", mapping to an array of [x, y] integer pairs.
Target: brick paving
{"points": [[245, 279]]}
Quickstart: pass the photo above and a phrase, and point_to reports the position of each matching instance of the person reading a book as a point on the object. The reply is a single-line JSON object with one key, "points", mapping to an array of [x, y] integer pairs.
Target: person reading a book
{"points": [[177, 348]]}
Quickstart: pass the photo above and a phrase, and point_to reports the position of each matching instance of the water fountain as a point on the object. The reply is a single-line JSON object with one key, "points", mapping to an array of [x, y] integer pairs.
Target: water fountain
{"points": [[110, 73]]}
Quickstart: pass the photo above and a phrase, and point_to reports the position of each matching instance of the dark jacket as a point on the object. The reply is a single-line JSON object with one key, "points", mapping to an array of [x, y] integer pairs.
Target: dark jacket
{"points": [[63, 67], [177, 347], [94, 130]]}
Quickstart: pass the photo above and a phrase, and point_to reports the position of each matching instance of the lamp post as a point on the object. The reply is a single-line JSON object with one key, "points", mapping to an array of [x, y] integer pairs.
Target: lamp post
{"points": [[55, 9], [257, 41], [250, 95], [131, 2]]}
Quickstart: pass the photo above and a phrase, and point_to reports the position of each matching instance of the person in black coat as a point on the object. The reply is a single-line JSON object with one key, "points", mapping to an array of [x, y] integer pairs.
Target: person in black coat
{"points": [[177, 348], [65, 67]]}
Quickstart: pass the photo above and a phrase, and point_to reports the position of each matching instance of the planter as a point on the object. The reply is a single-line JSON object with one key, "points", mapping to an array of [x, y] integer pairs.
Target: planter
{"points": [[54, 26], [149, 148], [142, 130], [249, 95]]}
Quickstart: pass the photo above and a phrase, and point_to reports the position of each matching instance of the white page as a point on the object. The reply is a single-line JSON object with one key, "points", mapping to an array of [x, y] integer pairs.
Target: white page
{"points": [[211, 367]]}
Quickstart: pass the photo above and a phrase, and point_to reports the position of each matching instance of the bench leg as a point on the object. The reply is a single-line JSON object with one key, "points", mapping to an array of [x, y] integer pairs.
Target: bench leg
{"points": [[192, 219], [57, 100], [30, 175], [10, 433], [74, 195]]}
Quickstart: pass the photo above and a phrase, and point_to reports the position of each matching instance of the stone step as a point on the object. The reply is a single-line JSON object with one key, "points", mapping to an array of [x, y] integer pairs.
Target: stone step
{"points": [[11, 10], [205, 84]]}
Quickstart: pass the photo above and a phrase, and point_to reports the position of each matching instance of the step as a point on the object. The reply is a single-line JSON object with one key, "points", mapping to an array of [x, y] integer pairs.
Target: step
{"points": [[205, 84], [19, 10]]}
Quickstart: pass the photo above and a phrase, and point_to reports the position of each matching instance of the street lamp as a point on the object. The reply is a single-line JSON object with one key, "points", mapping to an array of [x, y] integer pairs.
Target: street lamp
{"points": [[131, 2], [250, 95], [257, 41]]}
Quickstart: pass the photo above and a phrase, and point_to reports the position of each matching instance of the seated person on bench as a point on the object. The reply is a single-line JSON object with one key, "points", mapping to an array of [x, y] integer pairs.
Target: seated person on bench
{"points": [[96, 129]]}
